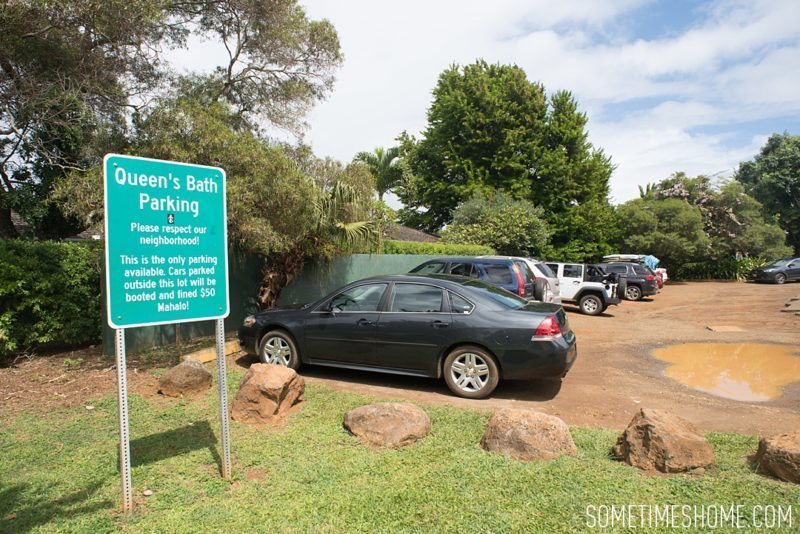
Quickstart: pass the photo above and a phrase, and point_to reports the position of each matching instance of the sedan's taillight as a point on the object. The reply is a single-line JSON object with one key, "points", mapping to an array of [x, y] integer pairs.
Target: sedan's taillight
{"points": [[548, 328]]}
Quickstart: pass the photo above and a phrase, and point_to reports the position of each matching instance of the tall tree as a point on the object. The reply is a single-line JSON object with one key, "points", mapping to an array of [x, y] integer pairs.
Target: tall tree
{"points": [[489, 128], [773, 178], [484, 129], [71, 70], [385, 165]]}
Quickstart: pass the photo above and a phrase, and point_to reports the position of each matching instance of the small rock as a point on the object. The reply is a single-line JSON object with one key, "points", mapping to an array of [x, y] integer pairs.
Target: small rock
{"points": [[266, 393], [147, 492], [186, 377], [659, 440], [779, 456], [527, 435], [388, 424], [89, 407]]}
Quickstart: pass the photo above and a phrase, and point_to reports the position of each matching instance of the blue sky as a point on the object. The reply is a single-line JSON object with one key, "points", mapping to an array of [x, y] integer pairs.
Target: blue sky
{"points": [[667, 85]]}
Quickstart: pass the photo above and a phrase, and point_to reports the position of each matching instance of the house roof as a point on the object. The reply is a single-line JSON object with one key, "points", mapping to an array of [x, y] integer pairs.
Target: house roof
{"points": [[399, 232]]}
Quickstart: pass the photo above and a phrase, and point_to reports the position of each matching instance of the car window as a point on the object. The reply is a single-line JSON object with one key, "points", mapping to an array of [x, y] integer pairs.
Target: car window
{"points": [[498, 274], [545, 270], [361, 298], [464, 269], [639, 269], [506, 298], [524, 269], [416, 298], [459, 304], [433, 267], [554, 268], [620, 269], [573, 271]]}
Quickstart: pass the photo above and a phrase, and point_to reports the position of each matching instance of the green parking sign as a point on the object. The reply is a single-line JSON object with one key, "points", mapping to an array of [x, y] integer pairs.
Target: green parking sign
{"points": [[166, 242]]}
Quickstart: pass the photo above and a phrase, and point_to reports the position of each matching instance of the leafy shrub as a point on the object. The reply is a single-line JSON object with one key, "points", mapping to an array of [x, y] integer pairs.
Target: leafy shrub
{"points": [[49, 294], [415, 247], [718, 270]]}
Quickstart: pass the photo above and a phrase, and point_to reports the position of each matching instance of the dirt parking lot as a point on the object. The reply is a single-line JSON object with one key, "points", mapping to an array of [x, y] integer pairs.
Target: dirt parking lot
{"points": [[614, 375]]}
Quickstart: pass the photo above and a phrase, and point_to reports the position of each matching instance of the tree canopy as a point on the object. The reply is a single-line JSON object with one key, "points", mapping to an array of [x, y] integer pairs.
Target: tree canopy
{"points": [[510, 227], [489, 128], [773, 178], [71, 71]]}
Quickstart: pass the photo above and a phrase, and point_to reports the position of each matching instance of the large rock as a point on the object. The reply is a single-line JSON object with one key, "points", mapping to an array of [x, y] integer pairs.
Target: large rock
{"points": [[388, 424], [779, 456], [266, 393], [661, 441], [527, 435], [186, 377]]}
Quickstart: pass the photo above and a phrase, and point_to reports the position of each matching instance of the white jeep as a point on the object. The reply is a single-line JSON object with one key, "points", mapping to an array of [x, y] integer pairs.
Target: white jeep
{"points": [[586, 285]]}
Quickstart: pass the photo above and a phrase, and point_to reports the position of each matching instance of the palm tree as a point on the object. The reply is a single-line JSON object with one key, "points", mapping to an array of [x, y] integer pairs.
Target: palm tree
{"points": [[383, 164]]}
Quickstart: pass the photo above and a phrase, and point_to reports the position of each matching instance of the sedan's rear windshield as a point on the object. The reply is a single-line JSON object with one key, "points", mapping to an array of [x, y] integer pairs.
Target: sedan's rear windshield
{"points": [[505, 298]]}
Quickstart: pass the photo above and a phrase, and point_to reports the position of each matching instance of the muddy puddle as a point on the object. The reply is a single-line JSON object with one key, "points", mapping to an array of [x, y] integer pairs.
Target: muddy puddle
{"points": [[739, 371]]}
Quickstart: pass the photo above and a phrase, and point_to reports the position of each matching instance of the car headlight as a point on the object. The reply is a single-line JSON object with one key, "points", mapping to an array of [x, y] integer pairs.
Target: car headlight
{"points": [[768, 270], [250, 320]]}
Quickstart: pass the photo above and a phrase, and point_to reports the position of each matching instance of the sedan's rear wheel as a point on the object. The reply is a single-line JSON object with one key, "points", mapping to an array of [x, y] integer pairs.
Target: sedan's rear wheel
{"points": [[471, 372], [780, 278], [277, 347], [633, 293]]}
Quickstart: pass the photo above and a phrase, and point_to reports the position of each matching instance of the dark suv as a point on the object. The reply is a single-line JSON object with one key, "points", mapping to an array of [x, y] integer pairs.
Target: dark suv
{"points": [[513, 275], [636, 280]]}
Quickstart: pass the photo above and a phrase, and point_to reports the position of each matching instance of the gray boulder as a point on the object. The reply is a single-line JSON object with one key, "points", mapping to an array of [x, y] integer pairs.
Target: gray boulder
{"points": [[186, 377], [527, 435], [388, 424]]}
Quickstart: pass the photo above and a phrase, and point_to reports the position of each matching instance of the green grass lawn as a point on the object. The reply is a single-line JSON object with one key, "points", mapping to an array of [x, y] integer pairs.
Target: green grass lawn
{"points": [[58, 472]]}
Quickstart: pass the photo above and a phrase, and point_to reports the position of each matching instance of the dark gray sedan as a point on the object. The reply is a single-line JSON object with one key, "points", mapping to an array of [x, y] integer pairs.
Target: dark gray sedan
{"points": [[465, 330]]}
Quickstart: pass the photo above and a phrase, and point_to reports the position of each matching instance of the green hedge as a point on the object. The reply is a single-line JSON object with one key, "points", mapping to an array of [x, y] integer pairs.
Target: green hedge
{"points": [[717, 270], [49, 294], [415, 247]]}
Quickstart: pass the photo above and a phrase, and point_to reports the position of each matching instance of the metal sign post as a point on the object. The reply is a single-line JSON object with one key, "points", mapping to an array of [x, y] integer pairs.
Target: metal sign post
{"points": [[166, 228], [223, 400], [124, 437]]}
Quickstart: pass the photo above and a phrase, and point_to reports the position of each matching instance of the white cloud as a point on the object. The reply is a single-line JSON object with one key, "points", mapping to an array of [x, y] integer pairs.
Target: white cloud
{"points": [[734, 64]]}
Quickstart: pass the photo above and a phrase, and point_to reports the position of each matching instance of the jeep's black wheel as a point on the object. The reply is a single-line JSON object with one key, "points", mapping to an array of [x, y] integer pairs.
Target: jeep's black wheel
{"points": [[591, 305], [633, 293]]}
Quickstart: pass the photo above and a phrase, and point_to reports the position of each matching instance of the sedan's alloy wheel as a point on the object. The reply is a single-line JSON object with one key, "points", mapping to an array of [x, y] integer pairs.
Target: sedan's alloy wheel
{"points": [[276, 351], [469, 372]]}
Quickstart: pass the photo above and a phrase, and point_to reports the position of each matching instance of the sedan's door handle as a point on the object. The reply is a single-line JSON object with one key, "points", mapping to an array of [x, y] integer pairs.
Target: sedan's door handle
{"points": [[365, 322], [439, 324]]}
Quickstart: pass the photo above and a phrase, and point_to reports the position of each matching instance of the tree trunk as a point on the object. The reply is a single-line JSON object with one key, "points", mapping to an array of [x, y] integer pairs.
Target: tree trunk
{"points": [[7, 229], [279, 271]]}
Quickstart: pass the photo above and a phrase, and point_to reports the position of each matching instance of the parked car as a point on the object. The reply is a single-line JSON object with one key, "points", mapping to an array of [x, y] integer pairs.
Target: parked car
{"points": [[586, 285], [647, 260], [509, 273], [546, 284], [471, 333], [541, 270], [639, 280], [778, 271]]}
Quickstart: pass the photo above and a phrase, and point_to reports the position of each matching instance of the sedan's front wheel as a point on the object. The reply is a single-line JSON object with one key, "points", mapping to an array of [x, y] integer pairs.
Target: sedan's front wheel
{"points": [[471, 372], [277, 347], [780, 278]]}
